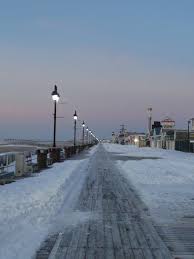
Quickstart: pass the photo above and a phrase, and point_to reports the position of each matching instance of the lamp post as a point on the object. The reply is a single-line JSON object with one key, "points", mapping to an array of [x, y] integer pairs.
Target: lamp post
{"points": [[188, 135], [149, 110], [75, 122], [55, 97], [87, 135], [83, 126], [90, 136]]}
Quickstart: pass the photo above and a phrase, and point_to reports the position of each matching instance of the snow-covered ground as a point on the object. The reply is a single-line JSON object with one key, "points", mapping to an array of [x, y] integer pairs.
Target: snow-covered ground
{"points": [[33, 207], [166, 185]]}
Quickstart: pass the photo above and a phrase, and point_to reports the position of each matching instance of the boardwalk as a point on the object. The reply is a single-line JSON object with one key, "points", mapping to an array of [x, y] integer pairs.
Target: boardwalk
{"points": [[119, 226]]}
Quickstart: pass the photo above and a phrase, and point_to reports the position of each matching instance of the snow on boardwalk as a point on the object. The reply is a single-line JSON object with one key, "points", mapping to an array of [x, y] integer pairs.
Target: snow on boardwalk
{"points": [[31, 208], [166, 186], [118, 225]]}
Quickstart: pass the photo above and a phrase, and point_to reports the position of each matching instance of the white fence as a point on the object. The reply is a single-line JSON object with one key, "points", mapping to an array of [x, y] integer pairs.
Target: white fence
{"points": [[7, 164]]}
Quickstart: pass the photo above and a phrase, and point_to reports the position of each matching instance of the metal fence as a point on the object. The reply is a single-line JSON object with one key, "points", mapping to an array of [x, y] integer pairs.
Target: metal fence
{"points": [[184, 146]]}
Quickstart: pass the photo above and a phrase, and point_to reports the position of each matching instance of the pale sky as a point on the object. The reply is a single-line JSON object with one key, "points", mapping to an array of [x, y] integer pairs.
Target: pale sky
{"points": [[111, 60]]}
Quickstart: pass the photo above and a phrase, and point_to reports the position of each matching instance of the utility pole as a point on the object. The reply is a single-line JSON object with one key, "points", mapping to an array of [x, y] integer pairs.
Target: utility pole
{"points": [[149, 120], [189, 135]]}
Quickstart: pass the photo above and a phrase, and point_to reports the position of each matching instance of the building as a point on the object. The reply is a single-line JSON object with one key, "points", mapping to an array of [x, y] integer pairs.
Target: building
{"points": [[165, 135], [137, 139], [168, 123], [125, 138], [114, 138]]}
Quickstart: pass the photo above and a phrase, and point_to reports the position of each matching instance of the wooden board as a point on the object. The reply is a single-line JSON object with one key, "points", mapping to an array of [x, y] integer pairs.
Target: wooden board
{"points": [[119, 227]]}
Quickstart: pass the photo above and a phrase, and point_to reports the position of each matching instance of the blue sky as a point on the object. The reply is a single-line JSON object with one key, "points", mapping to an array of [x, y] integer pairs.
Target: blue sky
{"points": [[110, 60]]}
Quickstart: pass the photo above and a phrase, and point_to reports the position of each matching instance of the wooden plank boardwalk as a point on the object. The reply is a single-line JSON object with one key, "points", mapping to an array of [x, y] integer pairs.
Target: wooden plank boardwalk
{"points": [[179, 238], [120, 227]]}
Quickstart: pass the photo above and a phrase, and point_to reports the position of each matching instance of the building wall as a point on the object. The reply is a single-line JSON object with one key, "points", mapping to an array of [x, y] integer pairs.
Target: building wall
{"points": [[159, 144], [170, 144]]}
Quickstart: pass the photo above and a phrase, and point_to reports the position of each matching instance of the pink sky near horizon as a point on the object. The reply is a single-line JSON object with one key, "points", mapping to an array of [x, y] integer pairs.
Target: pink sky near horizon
{"points": [[107, 90]]}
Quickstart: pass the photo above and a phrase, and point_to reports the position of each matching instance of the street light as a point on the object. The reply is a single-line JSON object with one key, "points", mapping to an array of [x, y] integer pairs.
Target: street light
{"points": [[55, 97], [75, 121], [188, 134], [83, 126], [136, 140], [87, 135], [90, 136]]}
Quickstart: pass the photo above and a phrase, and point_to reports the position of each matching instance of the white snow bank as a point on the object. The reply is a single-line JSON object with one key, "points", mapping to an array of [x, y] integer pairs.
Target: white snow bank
{"points": [[33, 207], [166, 185]]}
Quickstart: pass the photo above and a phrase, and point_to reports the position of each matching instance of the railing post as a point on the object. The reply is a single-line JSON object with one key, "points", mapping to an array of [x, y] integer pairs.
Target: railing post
{"points": [[19, 158]]}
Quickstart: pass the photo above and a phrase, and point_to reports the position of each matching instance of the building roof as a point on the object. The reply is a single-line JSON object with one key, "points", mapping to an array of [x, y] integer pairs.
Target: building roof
{"points": [[167, 119]]}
